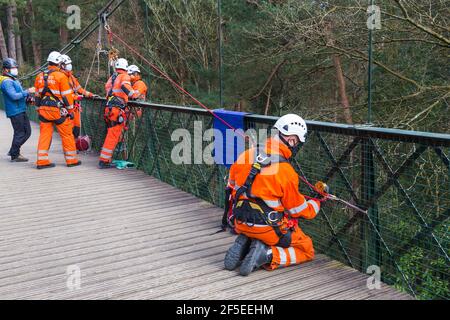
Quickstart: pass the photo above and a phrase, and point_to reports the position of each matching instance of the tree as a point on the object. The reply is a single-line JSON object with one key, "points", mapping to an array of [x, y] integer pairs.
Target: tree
{"points": [[63, 32], [18, 37], [36, 46], [3, 47], [10, 13]]}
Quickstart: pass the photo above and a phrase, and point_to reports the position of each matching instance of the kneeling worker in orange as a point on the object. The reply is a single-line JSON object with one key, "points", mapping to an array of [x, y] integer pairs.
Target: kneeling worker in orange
{"points": [[118, 90], [267, 203], [54, 99]]}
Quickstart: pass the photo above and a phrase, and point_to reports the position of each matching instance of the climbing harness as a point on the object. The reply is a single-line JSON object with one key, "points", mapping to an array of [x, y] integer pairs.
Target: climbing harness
{"points": [[254, 210], [51, 101]]}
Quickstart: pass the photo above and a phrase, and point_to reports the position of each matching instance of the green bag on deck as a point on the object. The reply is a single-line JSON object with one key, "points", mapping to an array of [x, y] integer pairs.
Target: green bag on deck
{"points": [[122, 164]]}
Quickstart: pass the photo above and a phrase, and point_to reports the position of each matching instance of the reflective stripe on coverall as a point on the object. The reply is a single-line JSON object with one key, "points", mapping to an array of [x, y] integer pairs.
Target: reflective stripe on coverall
{"points": [[277, 185], [58, 83], [77, 90], [113, 114]]}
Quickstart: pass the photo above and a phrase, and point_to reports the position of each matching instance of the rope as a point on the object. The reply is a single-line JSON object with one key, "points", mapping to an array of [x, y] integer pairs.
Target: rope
{"points": [[90, 70], [173, 82]]}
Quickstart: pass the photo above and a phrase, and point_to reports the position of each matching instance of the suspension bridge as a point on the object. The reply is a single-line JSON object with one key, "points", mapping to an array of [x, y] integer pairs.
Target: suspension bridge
{"points": [[150, 232], [133, 236]]}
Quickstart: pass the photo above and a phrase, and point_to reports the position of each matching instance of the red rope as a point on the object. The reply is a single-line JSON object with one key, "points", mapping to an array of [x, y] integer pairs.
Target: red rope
{"points": [[324, 195], [111, 34], [174, 83]]}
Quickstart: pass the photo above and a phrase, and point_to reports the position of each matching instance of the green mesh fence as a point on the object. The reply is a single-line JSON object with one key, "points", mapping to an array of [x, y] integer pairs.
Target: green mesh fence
{"points": [[401, 177]]}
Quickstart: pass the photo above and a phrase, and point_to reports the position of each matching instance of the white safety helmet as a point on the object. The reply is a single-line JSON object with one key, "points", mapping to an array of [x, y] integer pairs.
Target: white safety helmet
{"points": [[292, 124], [54, 57], [66, 59], [121, 64], [133, 68], [67, 62]]}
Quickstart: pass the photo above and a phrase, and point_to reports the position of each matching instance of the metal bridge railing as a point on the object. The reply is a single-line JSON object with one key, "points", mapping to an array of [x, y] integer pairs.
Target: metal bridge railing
{"points": [[401, 177]]}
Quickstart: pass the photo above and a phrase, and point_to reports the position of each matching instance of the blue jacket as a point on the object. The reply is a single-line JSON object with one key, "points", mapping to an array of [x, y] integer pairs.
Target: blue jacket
{"points": [[13, 97]]}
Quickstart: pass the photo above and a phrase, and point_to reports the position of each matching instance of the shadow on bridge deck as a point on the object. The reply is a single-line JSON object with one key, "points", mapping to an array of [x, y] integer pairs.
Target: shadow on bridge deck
{"points": [[133, 237]]}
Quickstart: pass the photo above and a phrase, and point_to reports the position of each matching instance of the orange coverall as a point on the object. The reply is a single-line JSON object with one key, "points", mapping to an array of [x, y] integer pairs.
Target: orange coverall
{"points": [[115, 115], [77, 90], [58, 83], [140, 89], [140, 92], [277, 185]]}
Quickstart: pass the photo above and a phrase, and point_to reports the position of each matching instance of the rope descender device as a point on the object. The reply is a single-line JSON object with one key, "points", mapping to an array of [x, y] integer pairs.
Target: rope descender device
{"points": [[323, 189]]}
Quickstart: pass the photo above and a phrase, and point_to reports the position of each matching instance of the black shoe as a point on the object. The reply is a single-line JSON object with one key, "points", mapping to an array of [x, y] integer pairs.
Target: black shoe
{"points": [[74, 164], [257, 257], [237, 252], [19, 158], [50, 165], [106, 165]]}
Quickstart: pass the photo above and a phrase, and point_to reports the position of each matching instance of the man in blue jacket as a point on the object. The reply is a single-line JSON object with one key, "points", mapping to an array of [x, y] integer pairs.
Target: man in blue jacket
{"points": [[14, 97]]}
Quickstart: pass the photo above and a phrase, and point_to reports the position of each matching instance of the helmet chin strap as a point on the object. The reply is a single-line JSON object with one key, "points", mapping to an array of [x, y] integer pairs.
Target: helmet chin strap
{"points": [[294, 150]]}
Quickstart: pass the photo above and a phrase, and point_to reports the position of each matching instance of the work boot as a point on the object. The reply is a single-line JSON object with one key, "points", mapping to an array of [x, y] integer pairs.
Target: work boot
{"points": [[50, 165], [237, 252], [74, 164], [19, 158], [257, 257], [106, 165]]}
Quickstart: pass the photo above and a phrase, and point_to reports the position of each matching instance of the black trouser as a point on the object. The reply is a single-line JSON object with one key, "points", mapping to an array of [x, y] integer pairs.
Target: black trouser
{"points": [[76, 132], [22, 132]]}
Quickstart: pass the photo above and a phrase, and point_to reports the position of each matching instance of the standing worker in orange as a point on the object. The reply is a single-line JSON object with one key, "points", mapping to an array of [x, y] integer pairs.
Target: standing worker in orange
{"points": [[54, 99], [118, 91], [267, 203], [139, 87], [78, 90]]}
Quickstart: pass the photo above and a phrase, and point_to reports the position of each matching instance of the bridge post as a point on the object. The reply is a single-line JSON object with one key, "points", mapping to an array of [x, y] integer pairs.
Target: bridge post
{"points": [[371, 249]]}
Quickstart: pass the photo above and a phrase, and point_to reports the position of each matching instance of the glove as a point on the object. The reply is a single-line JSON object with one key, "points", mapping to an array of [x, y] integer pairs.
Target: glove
{"points": [[323, 188], [30, 100], [32, 90], [95, 96]]}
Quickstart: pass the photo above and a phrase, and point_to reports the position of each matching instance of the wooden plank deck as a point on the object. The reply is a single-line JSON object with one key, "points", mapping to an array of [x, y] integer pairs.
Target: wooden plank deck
{"points": [[133, 237]]}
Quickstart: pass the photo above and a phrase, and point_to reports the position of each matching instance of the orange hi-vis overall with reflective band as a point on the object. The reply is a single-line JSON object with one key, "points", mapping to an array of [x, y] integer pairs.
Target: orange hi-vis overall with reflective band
{"points": [[140, 93], [140, 90], [77, 90], [54, 94], [118, 90], [275, 188]]}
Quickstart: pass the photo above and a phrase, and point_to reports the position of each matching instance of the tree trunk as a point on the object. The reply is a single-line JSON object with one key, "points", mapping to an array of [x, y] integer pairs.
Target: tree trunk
{"points": [[3, 47], [37, 57], [63, 32], [266, 110], [339, 77], [182, 70], [342, 89], [19, 49], [10, 12]]}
